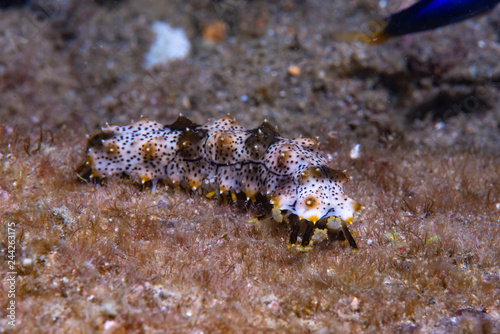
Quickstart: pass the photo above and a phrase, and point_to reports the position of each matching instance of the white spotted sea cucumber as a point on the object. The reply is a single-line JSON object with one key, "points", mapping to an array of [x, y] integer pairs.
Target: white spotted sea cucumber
{"points": [[221, 158]]}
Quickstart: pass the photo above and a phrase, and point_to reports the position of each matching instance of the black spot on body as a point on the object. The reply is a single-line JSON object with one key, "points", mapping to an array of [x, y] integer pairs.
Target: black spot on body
{"points": [[188, 143], [258, 143], [182, 123], [334, 174], [96, 140]]}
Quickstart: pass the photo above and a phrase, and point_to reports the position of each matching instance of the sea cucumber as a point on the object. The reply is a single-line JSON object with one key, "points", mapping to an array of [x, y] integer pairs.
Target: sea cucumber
{"points": [[220, 158]]}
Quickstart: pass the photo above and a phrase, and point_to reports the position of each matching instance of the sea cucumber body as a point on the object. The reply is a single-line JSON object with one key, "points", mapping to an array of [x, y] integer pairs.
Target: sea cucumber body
{"points": [[221, 156]]}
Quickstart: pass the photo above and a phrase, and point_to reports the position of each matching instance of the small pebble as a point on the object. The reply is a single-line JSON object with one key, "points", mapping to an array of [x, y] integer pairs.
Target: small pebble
{"points": [[215, 32], [294, 70]]}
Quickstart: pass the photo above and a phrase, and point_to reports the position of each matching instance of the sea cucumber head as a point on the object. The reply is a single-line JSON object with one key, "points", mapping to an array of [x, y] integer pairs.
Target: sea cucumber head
{"points": [[319, 201], [319, 194]]}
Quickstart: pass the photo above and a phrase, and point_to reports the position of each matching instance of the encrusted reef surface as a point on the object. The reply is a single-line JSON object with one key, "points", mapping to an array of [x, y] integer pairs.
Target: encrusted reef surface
{"points": [[414, 122]]}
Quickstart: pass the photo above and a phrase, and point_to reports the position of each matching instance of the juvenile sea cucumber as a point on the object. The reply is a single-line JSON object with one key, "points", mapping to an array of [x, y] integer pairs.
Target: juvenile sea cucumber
{"points": [[221, 158]]}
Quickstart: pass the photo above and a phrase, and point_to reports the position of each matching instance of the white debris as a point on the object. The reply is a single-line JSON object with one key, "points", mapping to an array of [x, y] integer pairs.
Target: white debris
{"points": [[27, 262], [355, 304], [110, 325], [355, 152], [169, 44]]}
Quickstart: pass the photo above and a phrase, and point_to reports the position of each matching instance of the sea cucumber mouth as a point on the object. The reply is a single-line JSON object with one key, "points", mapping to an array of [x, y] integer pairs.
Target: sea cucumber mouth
{"points": [[335, 227]]}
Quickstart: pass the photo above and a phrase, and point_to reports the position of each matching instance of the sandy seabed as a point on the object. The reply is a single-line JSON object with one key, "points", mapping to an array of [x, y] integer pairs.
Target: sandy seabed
{"points": [[117, 258]]}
